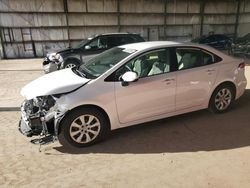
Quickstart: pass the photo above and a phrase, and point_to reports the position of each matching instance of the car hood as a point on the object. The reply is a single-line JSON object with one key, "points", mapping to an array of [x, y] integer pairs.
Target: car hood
{"points": [[61, 81], [61, 51], [66, 50]]}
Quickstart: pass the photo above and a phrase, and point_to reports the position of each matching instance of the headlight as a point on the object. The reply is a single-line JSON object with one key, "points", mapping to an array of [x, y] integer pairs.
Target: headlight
{"points": [[44, 102], [58, 57]]}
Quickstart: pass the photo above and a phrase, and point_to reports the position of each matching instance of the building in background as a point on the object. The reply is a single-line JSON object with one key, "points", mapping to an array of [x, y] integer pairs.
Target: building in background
{"points": [[31, 28]]}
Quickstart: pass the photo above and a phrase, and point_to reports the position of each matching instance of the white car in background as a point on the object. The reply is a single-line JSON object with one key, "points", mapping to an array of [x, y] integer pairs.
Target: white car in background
{"points": [[128, 85]]}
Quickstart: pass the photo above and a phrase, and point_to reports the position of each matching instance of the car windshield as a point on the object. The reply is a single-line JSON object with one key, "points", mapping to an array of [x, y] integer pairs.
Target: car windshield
{"points": [[81, 44], [104, 61]]}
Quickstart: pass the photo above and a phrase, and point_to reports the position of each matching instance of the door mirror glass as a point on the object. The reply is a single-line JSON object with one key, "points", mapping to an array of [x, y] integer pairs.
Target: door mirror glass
{"points": [[87, 47], [129, 77]]}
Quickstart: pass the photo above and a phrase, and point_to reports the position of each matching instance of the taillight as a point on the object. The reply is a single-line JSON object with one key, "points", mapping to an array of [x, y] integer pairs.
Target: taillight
{"points": [[242, 65]]}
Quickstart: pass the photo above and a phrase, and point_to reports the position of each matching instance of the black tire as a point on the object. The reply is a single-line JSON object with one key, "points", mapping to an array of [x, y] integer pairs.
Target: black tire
{"points": [[220, 102], [78, 117], [70, 63]]}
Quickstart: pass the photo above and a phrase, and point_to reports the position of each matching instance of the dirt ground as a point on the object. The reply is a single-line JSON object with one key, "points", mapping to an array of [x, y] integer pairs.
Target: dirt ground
{"points": [[198, 149]]}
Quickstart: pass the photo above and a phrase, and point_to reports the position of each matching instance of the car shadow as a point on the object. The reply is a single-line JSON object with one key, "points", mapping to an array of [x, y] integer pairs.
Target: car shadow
{"points": [[192, 132]]}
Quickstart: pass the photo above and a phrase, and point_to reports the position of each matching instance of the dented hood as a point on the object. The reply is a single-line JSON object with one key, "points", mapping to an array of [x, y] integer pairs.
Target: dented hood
{"points": [[57, 82]]}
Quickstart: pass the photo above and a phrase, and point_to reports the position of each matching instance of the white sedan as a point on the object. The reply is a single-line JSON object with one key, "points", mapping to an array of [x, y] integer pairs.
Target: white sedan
{"points": [[128, 85]]}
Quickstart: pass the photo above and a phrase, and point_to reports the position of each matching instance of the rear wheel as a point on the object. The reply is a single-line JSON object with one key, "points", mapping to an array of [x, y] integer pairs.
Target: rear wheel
{"points": [[83, 127], [222, 99]]}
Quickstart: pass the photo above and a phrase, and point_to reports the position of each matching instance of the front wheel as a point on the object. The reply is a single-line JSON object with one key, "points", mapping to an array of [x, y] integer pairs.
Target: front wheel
{"points": [[222, 99], [70, 64], [83, 127]]}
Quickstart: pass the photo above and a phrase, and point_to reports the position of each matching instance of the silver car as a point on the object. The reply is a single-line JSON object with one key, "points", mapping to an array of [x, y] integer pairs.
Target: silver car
{"points": [[128, 85]]}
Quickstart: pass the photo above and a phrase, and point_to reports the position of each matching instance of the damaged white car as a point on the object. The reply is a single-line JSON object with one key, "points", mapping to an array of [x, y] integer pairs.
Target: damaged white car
{"points": [[128, 85]]}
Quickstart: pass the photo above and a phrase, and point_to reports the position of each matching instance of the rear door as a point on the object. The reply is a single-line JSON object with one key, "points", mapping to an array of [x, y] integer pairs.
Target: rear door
{"points": [[196, 75]]}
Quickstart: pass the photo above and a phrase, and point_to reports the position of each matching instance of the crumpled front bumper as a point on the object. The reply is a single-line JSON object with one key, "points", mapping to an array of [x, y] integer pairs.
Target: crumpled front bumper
{"points": [[24, 128], [29, 126], [42, 123]]}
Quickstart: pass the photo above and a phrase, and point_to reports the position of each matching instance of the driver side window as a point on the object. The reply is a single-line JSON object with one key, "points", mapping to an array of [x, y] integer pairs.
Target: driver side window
{"points": [[149, 64], [99, 43]]}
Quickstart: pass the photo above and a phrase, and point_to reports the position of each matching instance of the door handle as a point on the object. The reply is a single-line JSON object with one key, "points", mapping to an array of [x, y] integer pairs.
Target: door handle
{"points": [[169, 80], [210, 70]]}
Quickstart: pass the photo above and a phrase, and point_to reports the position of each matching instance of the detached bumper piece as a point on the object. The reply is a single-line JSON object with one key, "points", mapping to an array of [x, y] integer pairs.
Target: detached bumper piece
{"points": [[34, 128], [26, 130], [45, 140]]}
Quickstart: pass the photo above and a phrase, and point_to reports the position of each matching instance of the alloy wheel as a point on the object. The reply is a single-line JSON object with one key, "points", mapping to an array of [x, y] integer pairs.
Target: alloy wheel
{"points": [[85, 129], [223, 99], [70, 65]]}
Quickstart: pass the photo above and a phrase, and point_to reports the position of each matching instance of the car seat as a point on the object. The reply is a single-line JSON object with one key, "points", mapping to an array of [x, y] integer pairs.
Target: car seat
{"points": [[188, 60], [161, 65], [142, 66]]}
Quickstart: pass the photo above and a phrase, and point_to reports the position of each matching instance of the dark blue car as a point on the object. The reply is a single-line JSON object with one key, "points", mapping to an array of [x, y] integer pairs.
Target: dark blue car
{"points": [[218, 41], [241, 46]]}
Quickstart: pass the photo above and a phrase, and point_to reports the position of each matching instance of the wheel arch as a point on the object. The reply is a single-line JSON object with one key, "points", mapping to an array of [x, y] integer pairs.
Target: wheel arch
{"points": [[68, 59], [86, 106], [228, 83]]}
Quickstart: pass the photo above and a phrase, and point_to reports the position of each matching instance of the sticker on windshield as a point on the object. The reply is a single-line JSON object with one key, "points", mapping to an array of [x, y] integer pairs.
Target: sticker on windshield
{"points": [[130, 51]]}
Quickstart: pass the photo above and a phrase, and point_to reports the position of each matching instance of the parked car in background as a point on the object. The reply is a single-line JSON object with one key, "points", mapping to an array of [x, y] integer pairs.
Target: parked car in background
{"points": [[241, 46], [128, 85], [245, 38], [218, 41], [86, 49]]}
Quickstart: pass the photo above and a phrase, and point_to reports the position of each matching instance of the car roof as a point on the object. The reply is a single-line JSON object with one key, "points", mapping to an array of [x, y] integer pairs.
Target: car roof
{"points": [[113, 34], [151, 44], [104, 34], [158, 44]]}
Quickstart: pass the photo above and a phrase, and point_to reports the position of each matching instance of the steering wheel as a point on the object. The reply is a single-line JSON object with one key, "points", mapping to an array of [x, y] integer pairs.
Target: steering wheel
{"points": [[128, 68], [124, 69]]}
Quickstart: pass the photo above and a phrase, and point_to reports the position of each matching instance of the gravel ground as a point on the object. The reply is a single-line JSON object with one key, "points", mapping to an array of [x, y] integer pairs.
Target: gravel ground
{"points": [[197, 149]]}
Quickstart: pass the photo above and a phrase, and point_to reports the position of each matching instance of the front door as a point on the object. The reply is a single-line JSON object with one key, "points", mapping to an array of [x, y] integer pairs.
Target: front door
{"points": [[153, 94]]}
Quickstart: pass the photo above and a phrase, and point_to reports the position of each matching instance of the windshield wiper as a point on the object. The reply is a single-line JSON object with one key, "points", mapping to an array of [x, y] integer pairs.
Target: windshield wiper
{"points": [[78, 72], [81, 73], [86, 72]]}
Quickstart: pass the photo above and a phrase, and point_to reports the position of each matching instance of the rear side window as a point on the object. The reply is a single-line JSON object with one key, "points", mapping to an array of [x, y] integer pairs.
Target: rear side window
{"points": [[137, 38], [209, 58], [188, 58], [113, 41], [125, 40], [119, 40]]}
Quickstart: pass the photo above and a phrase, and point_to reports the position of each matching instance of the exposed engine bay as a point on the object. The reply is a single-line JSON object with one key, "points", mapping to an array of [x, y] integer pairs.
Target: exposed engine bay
{"points": [[39, 119]]}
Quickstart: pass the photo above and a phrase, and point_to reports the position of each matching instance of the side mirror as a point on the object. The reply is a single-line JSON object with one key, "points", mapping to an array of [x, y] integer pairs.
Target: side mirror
{"points": [[129, 77], [87, 47]]}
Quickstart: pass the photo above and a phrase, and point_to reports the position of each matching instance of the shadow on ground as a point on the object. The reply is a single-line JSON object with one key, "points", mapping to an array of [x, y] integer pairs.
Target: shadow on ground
{"points": [[192, 132]]}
